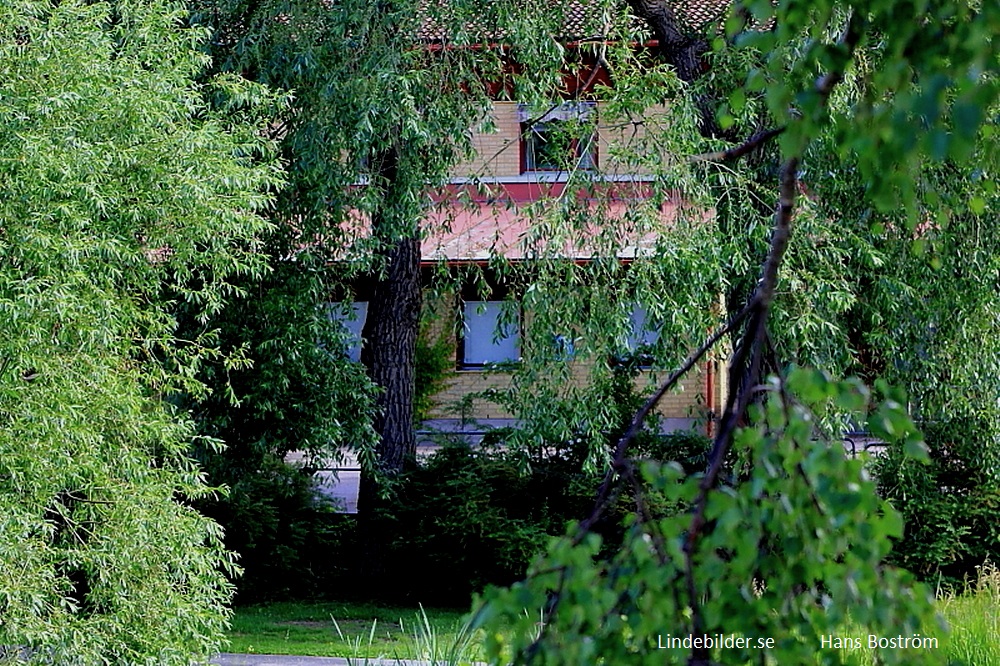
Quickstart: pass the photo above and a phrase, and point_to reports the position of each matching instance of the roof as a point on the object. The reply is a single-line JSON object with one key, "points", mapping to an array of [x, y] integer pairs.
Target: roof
{"points": [[515, 222], [579, 21], [510, 224], [476, 234], [517, 225]]}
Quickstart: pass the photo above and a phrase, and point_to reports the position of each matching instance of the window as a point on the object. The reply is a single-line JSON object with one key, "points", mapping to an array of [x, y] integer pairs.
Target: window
{"points": [[563, 348], [487, 335], [643, 334], [559, 140], [640, 339], [352, 318]]}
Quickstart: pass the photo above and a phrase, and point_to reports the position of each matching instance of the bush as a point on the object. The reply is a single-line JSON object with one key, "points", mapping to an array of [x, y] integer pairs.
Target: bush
{"points": [[289, 538], [467, 518], [471, 517], [690, 449], [463, 519], [949, 506]]}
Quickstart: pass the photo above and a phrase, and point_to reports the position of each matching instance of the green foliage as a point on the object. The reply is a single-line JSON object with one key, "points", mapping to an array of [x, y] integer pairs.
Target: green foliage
{"points": [[298, 391], [120, 193], [595, 396], [923, 91], [361, 90], [468, 518], [289, 538], [434, 361], [791, 553], [886, 119], [868, 102], [948, 504], [366, 107]]}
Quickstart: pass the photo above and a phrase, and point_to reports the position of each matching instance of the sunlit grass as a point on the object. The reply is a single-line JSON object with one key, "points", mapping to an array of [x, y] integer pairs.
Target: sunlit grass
{"points": [[974, 619], [332, 629], [441, 636]]}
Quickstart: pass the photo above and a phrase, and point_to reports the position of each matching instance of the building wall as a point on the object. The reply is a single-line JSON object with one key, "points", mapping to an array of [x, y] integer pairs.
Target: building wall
{"points": [[498, 154], [498, 159], [696, 400], [688, 403]]}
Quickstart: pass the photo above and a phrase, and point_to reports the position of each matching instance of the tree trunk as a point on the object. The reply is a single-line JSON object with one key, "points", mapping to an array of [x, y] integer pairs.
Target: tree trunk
{"points": [[390, 338], [684, 50], [679, 48], [390, 335]]}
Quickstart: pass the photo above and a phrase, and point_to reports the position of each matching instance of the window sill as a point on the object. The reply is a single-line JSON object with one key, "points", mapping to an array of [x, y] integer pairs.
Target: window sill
{"points": [[507, 366], [551, 177]]}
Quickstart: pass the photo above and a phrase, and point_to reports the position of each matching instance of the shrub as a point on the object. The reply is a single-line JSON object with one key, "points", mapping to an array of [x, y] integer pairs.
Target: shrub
{"points": [[949, 505], [289, 538], [690, 449], [470, 517], [464, 519], [461, 520]]}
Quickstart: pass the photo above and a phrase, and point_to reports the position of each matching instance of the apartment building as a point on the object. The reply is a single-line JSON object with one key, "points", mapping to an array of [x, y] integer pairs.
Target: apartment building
{"points": [[525, 155]]}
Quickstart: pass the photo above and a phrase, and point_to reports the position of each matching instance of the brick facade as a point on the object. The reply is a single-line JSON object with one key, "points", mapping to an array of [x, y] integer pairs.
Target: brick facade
{"points": [[694, 403], [499, 160], [498, 154]]}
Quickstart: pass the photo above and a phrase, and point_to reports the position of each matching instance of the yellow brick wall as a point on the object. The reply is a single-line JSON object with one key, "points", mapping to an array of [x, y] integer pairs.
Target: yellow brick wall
{"points": [[630, 139], [498, 154], [687, 402], [498, 157]]}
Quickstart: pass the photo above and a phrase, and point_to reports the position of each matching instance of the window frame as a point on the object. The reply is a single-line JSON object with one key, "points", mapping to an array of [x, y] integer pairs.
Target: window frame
{"points": [[567, 112], [464, 330]]}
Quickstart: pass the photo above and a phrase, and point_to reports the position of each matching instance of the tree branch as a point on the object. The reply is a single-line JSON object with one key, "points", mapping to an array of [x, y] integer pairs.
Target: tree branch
{"points": [[750, 350], [746, 365], [736, 152], [619, 462]]}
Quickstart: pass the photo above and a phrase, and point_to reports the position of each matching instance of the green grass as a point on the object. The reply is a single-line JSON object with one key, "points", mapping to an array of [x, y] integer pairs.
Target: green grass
{"points": [[974, 619], [366, 630], [347, 630]]}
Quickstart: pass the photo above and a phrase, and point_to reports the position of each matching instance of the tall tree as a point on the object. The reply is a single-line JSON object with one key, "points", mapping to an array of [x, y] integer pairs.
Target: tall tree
{"points": [[121, 193], [379, 117], [868, 101]]}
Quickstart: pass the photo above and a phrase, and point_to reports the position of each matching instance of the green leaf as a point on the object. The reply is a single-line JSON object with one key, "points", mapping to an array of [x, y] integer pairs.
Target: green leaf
{"points": [[915, 447], [737, 100]]}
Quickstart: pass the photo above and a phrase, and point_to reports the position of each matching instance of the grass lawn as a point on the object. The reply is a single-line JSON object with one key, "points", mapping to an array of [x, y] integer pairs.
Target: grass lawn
{"points": [[366, 630], [975, 625], [332, 629]]}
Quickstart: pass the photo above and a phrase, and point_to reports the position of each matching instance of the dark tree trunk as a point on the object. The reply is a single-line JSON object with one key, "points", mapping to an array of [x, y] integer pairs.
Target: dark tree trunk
{"points": [[679, 48], [683, 49], [390, 335]]}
